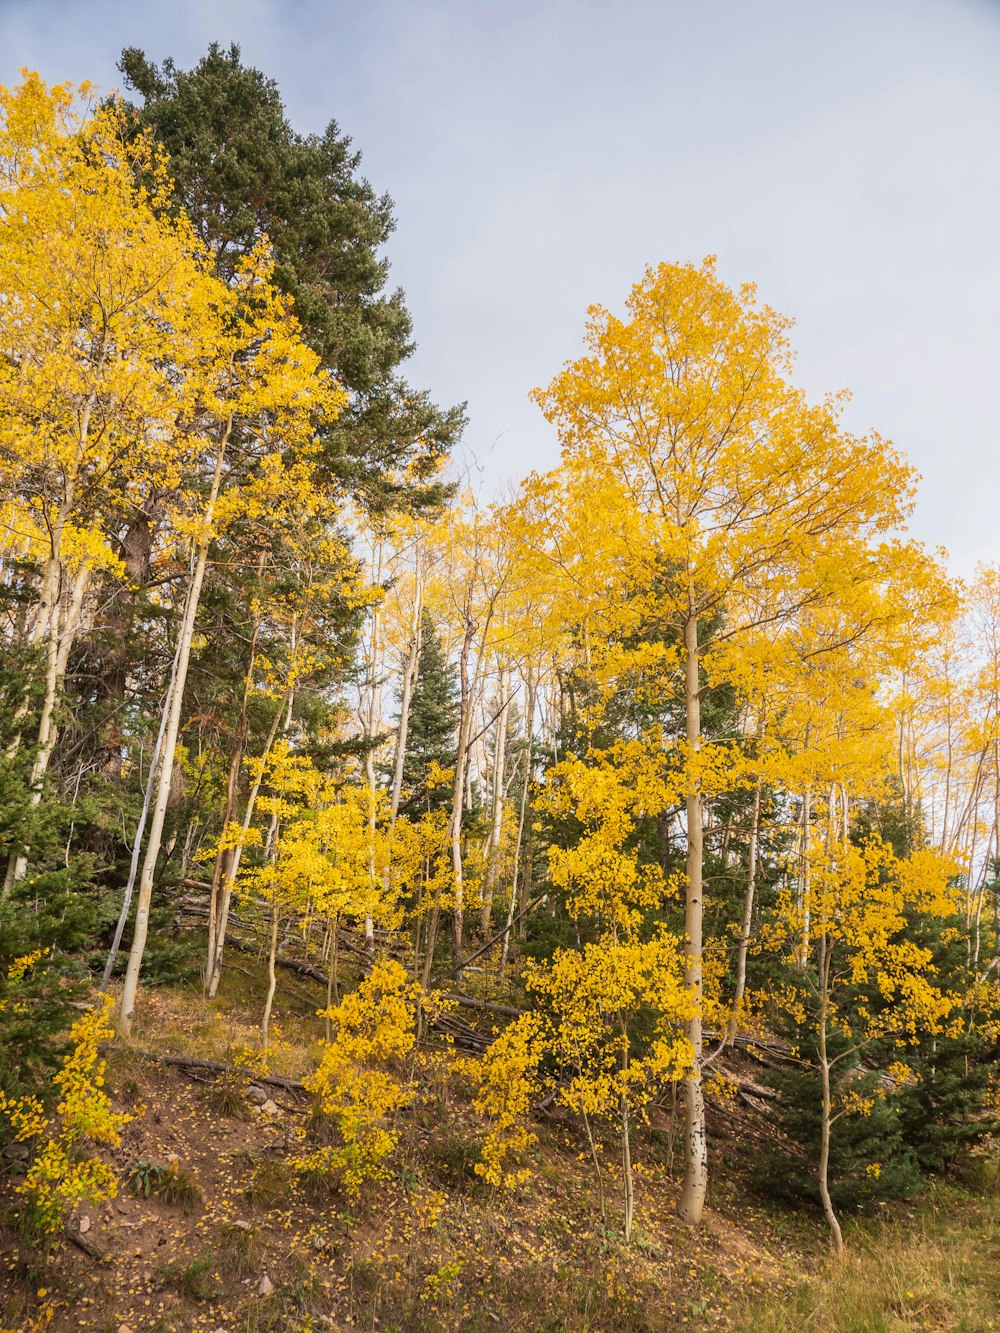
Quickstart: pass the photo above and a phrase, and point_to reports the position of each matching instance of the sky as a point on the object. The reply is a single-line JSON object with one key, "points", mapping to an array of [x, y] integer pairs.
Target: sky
{"points": [[540, 155]]}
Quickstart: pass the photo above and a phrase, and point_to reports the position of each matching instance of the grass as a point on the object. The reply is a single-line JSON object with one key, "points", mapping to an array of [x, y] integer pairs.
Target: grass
{"points": [[173, 1183], [935, 1267], [269, 1183], [241, 1249], [192, 1279]]}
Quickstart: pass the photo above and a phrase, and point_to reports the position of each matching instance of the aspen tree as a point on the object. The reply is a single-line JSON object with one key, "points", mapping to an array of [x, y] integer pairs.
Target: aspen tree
{"points": [[860, 900], [257, 379], [99, 339], [725, 476]]}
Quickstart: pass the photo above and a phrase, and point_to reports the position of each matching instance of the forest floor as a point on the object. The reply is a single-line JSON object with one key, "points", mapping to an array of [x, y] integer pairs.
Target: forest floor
{"points": [[226, 1238]]}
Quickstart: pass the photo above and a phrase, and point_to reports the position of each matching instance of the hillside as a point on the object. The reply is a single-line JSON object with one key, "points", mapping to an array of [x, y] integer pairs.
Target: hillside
{"points": [[212, 1231]]}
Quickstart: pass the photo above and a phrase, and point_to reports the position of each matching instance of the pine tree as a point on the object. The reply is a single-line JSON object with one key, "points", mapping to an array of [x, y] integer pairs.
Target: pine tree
{"points": [[239, 169]]}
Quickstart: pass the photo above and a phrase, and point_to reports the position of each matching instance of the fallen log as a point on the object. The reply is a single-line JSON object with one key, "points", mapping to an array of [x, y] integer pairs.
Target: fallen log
{"points": [[218, 1067]]}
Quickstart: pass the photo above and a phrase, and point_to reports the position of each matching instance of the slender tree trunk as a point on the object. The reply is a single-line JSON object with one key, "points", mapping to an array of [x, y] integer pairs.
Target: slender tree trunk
{"points": [[744, 945], [432, 929], [695, 1186], [457, 801], [372, 720], [233, 867], [224, 856], [409, 679], [169, 753], [515, 901], [597, 1167], [496, 827], [627, 1181], [627, 1171], [61, 637], [332, 988], [805, 906], [133, 869], [272, 978], [826, 1125]]}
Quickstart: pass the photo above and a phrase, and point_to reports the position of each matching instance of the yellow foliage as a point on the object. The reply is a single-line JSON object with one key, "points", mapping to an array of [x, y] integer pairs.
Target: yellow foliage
{"points": [[374, 1029], [509, 1085], [62, 1174]]}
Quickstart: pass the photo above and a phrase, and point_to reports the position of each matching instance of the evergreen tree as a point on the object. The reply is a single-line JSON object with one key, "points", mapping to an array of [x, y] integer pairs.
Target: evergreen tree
{"points": [[241, 171], [434, 709], [47, 917], [870, 1157], [943, 1106]]}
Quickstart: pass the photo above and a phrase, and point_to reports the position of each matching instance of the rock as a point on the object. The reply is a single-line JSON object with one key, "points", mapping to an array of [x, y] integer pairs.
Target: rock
{"points": [[83, 1226], [124, 1328], [257, 1094], [270, 1108], [265, 1287], [243, 1226]]}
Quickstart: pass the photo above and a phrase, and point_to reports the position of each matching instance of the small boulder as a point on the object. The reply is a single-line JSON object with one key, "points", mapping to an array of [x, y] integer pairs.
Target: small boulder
{"points": [[270, 1108], [83, 1226], [257, 1094], [265, 1287]]}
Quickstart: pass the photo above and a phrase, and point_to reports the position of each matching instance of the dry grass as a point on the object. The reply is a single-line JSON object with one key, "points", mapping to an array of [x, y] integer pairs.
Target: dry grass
{"points": [[935, 1267]]}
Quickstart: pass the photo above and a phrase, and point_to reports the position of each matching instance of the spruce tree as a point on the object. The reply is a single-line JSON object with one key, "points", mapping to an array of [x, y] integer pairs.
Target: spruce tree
{"points": [[47, 918], [434, 709]]}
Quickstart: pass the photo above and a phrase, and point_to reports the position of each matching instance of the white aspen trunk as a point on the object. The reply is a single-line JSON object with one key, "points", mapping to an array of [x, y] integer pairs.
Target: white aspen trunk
{"points": [[496, 827], [226, 897], [627, 1171], [140, 830], [525, 785], [949, 750], [455, 828], [186, 636], [62, 635], [50, 592], [805, 907], [695, 1186], [826, 1123], [222, 858], [372, 720], [272, 978], [409, 679], [744, 945]]}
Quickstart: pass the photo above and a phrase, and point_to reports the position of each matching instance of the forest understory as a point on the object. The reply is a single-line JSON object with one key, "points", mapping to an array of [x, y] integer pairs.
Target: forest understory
{"points": [[213, 1230]]}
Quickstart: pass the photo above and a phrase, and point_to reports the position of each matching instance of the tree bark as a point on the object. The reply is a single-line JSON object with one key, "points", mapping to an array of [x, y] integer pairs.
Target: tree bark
{"points": [[272, 977], [836, 1234], [515, 901], [695, 1186], [131, 986], [458, 794], [409, 679], [133, 869], [496, 826], [232, 869], [744, 945]]}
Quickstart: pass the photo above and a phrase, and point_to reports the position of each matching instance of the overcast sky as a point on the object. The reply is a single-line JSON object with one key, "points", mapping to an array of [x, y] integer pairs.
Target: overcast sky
{"points": [[843, 156]]}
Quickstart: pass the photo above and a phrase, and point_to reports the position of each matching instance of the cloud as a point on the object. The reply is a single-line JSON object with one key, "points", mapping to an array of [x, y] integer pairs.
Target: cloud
{"points": [[541, 153]]}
